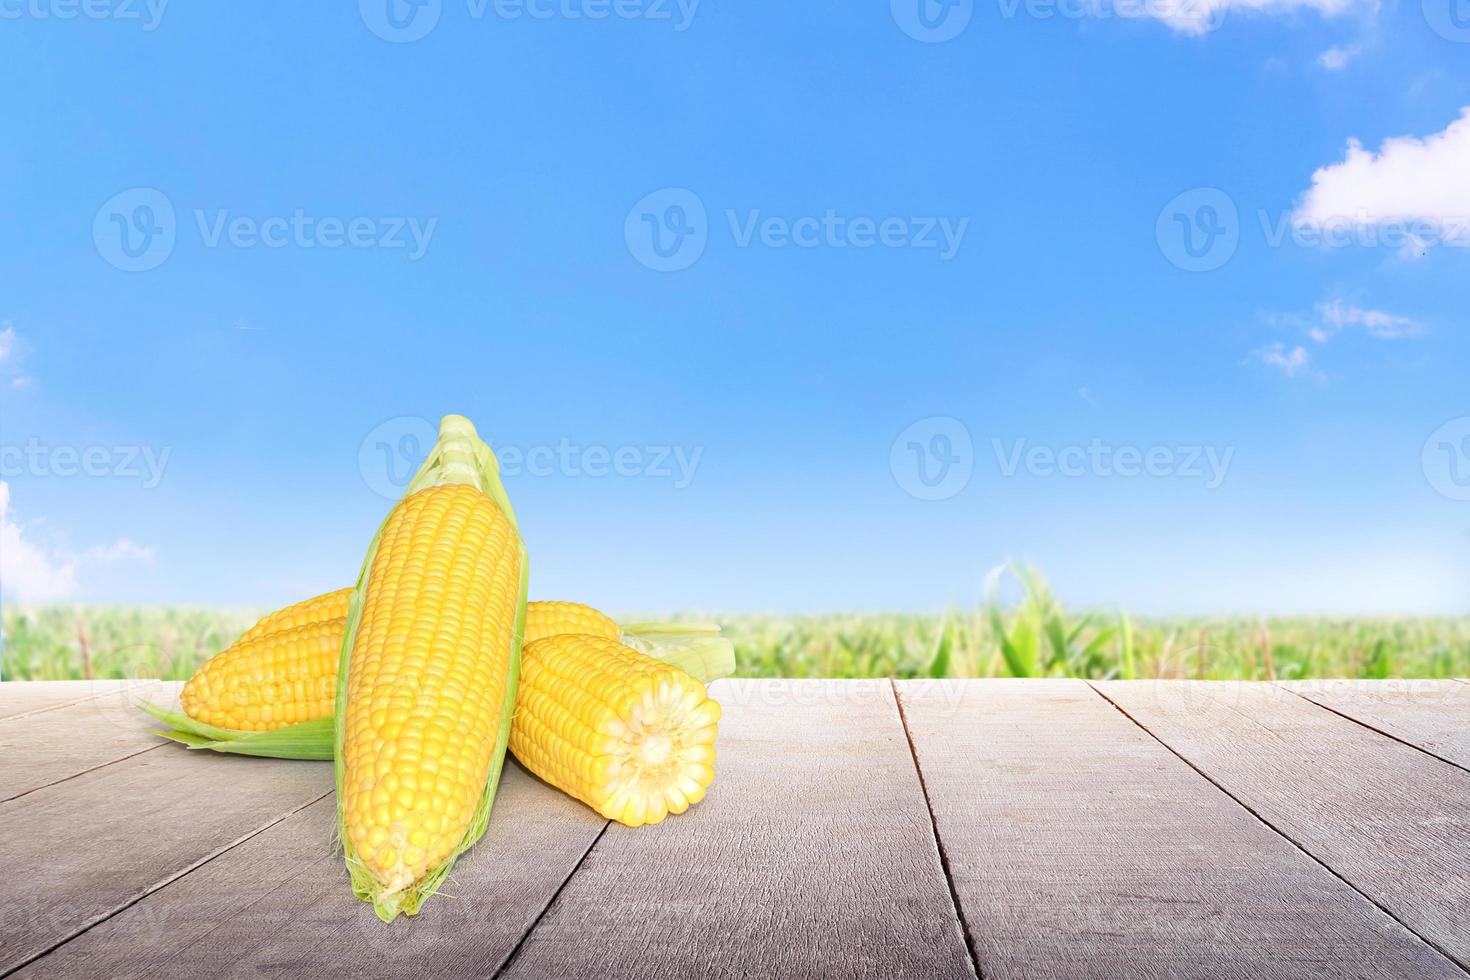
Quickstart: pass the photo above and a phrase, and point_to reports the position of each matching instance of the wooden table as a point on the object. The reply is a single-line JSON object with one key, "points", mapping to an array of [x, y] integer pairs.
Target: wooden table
{"points": [[946, 829]]}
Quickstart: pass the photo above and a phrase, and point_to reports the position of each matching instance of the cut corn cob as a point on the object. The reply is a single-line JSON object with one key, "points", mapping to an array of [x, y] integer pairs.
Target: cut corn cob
{"points": [[427, 678], [630, 736]]}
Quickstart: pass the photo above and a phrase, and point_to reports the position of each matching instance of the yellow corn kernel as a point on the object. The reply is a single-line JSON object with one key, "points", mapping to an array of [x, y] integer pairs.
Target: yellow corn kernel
{"points": [[305, 640], [545, 619], [630, 736], [269, 680], [427, 679], [318, 609]]}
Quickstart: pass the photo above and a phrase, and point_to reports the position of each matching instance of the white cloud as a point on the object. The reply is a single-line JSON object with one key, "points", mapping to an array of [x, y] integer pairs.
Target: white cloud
{"points": [[1204, 16], [120, 550], [1327, 321], [1289, 362], [1336, 58], [30, 572], [10, 351], [1409, 182], [27, 572], [1338, 315]]}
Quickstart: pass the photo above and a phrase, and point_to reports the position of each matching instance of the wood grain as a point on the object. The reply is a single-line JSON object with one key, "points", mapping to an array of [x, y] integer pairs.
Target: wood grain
{"points": [[28, 697], [78, 850], [1387, 817], [1081, 848], [1433, 715], [43, 748], [812, 856], [280, 905]]}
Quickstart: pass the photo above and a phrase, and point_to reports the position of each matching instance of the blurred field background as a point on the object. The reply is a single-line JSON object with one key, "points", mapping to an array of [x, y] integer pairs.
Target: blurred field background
{"points": [[1019, 629]]}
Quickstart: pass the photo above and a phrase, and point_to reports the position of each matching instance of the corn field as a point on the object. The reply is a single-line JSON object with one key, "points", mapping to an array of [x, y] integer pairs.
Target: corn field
{"points": [[1032, 637]]}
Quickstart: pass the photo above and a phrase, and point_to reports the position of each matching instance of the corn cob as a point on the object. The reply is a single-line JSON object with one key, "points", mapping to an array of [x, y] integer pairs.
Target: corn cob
{"points": [[426, 683], [283, 670], [269, 680], [550, 618], [317, 609], [630, 736]]}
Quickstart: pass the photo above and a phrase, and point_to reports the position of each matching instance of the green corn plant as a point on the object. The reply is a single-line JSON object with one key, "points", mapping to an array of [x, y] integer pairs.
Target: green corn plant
{"points": [[1039, 641]]}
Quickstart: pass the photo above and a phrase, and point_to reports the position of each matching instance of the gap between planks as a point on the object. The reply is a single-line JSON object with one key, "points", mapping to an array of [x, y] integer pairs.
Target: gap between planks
{"points": [[1283, 834], [954, 897], [156, 887], [1375, 728]]}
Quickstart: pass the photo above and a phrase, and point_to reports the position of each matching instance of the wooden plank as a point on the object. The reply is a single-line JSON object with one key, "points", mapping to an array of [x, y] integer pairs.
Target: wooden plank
{"points": [[812, 856], [27, 697], [1386, 817], [1081, 848], [43, 748], [79, 850], [281, 905], [1433, 715]]}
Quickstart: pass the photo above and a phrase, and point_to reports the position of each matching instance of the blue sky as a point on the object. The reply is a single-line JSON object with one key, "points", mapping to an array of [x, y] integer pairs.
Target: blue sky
{"points": [[859, 311]]}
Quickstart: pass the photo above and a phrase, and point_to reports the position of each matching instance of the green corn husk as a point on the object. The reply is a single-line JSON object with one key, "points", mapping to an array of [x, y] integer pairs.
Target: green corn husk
{"points": [[698, 649], [458, 457], [306, 740]]}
